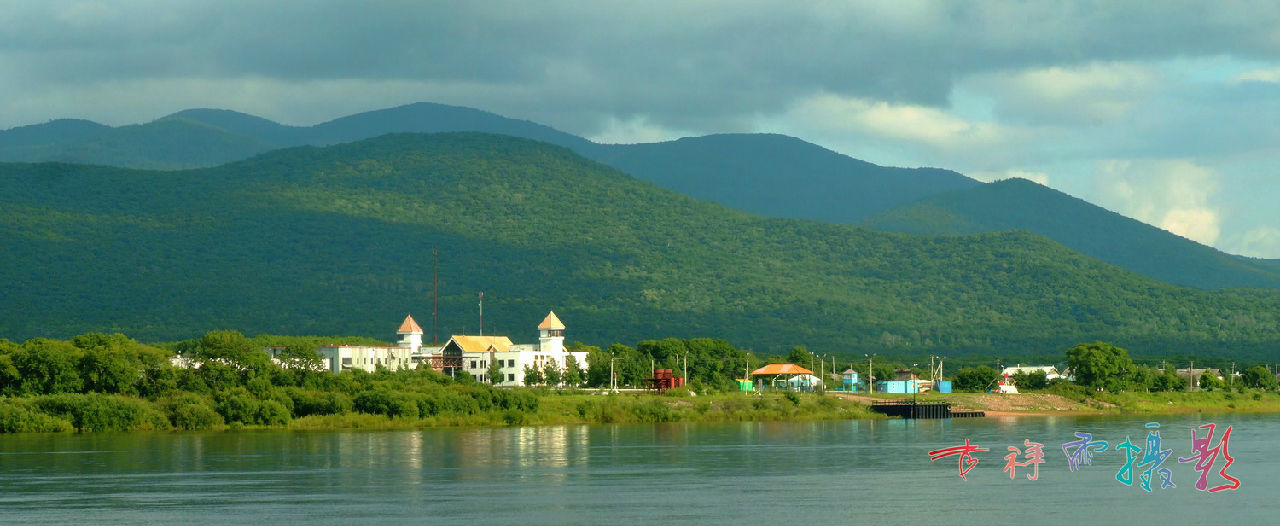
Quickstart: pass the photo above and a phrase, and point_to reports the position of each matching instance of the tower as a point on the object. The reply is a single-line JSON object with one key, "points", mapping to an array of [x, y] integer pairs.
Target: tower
{"points": [[551, 334], [410, 334]]}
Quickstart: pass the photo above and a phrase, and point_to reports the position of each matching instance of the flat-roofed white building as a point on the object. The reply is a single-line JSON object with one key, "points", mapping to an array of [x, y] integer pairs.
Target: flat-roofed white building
{"points": [[404, 355], [1050, 372]]}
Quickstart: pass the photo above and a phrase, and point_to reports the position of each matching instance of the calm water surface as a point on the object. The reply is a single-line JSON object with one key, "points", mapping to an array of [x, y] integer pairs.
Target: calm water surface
{"points": [[866, 472]]}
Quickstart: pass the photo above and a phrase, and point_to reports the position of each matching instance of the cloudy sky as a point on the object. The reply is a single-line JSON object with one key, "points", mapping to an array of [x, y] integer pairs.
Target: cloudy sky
{"points": [[1168, 112]]}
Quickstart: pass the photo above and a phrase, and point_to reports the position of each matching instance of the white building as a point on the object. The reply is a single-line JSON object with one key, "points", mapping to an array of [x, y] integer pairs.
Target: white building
{"points": [[474, 353], [404, 355], [1050, 372]]}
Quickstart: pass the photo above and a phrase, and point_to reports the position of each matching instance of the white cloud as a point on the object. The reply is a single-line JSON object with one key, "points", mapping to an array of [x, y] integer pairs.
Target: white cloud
{"points": [[1263, 241], [1171, 194], [918, 124], [1093, 93], [1039, 178], [634, 130], [1259, 75]]}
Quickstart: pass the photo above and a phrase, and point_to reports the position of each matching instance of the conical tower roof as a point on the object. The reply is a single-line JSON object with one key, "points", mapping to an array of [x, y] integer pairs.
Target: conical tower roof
{"points": [[409, 326], [551, 322]]}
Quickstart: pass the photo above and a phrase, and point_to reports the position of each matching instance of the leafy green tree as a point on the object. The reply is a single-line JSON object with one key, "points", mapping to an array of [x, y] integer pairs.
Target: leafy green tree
{"points": [[572, 371], [107, 371], [980, 379], [532, 376], [10, 379], [551, 373], [1100, 365], [801, 356], [1031, 381], [227, 359], [1168, 381], [883, 372], [1258, 377], [47, 367], [1210, 381], [301, 357], [1141, 377], [495, 373]]}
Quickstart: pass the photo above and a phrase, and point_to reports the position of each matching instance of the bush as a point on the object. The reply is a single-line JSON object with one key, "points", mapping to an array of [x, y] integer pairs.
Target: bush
{"points": [[100, 412], [513, 417], [273, 413], [651, 410], [18, 417], [308, 403], [190, 417], [386, 402]]}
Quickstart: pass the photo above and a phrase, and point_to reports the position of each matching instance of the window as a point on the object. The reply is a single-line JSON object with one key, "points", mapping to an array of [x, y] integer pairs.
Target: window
{"points": [[511, 363], [473, 364], [511, 377], [346, 361]]}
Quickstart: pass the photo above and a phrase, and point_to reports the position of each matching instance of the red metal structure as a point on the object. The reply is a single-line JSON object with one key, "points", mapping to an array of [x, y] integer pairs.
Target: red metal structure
{"points": [[663, 379]]}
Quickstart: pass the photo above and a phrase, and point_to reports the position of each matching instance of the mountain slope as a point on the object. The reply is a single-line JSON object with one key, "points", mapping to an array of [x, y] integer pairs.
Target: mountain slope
{"points": [[772, 175], [778, 176], [1092, 230], [766, 174], [339, 240]]}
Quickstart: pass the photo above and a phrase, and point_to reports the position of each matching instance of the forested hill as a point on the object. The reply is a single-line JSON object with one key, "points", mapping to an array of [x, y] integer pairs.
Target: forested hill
{"points": [[767, 174], [1092, 230], [339, 240], [771, 175], [778, 176]]}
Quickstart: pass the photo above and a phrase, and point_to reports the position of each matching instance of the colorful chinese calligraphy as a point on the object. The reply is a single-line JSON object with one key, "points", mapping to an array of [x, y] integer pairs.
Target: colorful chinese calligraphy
{"points": [[1035, 457], [1205, 456], [966, 461], [1147, 459]]}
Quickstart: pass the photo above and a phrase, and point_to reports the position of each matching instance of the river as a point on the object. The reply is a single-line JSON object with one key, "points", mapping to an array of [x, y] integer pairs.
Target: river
{"points": [[838, 472]]}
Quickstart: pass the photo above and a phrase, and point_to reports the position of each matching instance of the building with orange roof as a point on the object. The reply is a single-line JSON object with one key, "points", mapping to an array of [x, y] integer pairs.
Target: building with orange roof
{"points": [[462, 353], [473, 354]]}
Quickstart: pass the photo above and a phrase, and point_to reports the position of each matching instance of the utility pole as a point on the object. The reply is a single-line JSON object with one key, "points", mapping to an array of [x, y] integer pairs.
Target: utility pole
{"points": [[613, 379], [871, 388], [435, 295], [1191, 376], [482, 313]]}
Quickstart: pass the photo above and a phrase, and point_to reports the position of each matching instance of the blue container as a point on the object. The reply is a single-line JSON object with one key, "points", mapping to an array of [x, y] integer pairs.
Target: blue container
{"points": [[944, 386], [895, 386]]}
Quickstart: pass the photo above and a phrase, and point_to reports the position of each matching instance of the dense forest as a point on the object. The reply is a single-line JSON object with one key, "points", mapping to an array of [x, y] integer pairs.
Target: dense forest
{"points": [[1090, 229], [344, 239], [766, 174]]}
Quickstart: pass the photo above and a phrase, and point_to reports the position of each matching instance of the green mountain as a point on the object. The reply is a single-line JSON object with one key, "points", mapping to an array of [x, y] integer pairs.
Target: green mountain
{"points": [[1092, 230], [771, 175], [778, 176], [340, 240]]}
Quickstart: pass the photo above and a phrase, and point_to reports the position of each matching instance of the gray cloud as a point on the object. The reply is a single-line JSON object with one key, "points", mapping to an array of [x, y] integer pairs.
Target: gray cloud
{"points": [[1066, 82]]}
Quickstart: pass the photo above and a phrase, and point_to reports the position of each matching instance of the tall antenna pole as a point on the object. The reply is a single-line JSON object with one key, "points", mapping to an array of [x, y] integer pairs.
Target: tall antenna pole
{"points": [[482, 313], [435, 295]]}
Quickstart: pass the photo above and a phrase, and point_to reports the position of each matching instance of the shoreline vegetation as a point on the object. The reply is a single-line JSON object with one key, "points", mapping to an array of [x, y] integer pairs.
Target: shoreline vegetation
{"points": [[99, 382]]}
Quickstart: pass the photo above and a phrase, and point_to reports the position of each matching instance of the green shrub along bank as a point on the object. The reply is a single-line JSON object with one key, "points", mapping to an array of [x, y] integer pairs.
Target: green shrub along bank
{"points": [[98, 382]]}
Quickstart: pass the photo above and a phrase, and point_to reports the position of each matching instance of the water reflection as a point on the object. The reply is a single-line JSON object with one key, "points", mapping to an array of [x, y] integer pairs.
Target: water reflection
{"points": [[665, 473]]}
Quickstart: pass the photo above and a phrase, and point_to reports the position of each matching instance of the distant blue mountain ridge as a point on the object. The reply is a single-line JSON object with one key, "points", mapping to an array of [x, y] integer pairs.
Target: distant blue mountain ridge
{"points": [[767, 174]]}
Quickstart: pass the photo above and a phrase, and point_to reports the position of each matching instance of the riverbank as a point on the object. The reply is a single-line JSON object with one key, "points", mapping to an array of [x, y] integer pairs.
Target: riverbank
{"points": [[1054, 404], [568, 407], [407, 410]]}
